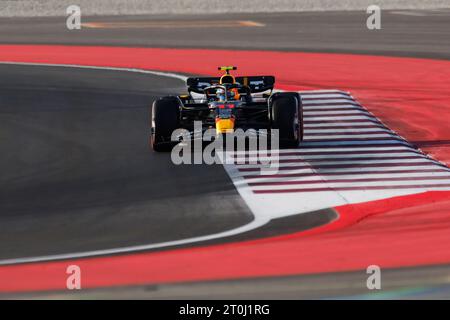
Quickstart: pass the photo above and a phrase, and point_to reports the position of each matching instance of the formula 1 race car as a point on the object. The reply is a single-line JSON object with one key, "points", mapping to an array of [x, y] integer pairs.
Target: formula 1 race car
{"points": [[227, 103]]}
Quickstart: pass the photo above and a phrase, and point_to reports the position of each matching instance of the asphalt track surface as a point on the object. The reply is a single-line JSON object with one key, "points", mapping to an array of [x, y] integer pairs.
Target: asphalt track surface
{"points": [[420, 34], [77, 172]]}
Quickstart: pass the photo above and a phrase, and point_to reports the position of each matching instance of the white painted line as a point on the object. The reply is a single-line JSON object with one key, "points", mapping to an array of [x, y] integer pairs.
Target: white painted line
{"points": [[342, 175], [337, 149], [366, 123], [337, 156], [324, 113], [344, 130], [332, 107], [350, 136], [323, 92], [350, 142], [156, 73], [317, 165], [325, 95], [327, 184], [341, 102], [423, 165], [337, 118]]}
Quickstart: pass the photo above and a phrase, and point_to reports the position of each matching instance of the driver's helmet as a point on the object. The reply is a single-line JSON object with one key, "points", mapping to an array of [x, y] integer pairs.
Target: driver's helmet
{"points": [[220, 94]]}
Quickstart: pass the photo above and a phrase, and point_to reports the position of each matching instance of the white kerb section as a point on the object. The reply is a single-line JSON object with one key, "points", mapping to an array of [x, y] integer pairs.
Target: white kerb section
{"points": [[348, 156]]}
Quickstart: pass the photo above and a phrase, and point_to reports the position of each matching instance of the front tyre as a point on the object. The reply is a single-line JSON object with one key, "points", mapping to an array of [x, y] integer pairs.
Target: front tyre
{"points": [[286, 116], [165, 119]]}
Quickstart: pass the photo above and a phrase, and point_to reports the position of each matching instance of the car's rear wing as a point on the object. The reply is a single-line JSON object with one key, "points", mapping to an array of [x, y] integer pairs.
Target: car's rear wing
{"points": [[255, 83]]}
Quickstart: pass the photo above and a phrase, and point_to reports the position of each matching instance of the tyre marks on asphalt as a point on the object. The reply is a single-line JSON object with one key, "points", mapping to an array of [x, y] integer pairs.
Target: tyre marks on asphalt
{"points": [[347, 156]]}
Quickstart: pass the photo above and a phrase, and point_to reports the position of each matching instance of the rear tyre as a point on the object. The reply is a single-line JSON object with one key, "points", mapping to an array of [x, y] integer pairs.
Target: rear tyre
{"points": [[165, 119], [287, 117]]}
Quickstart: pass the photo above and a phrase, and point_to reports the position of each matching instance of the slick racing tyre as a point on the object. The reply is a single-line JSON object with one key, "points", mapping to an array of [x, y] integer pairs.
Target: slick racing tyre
{"points": [[287, 117], [165, 119]]}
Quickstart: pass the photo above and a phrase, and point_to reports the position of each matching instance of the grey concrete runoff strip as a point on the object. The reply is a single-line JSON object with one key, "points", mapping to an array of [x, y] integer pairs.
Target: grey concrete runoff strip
{"points": [[41, 8]]}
